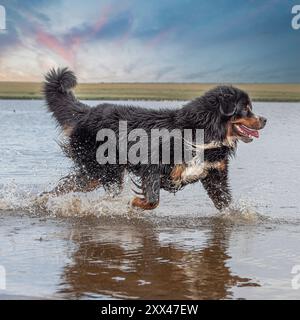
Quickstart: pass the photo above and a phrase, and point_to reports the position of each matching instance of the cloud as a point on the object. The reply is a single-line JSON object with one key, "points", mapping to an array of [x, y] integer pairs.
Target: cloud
{"points": [[171, 40]]}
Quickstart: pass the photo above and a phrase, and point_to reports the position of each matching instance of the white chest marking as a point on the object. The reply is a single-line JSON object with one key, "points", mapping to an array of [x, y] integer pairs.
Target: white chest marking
{"points": [[195, 171]]}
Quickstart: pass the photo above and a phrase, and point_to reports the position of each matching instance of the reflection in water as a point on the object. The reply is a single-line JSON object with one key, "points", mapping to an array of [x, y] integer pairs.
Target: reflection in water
{"points": [[179, 257], [135, 262]]}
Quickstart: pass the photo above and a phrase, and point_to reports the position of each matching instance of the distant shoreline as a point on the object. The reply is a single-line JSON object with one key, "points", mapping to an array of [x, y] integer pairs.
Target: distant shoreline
{"points": [[151, 91]]}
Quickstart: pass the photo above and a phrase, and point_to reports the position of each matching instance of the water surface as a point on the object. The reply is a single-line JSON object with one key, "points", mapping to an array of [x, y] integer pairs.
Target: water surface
{"points": [[89, 246]]}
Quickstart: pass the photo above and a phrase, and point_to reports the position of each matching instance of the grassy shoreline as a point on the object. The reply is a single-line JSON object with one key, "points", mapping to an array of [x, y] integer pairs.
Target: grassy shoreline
{"points": [[151, 91]]}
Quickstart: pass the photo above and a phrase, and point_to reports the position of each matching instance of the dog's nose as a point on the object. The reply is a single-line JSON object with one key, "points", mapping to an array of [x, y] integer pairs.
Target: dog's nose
{"points": [[263, 121]]}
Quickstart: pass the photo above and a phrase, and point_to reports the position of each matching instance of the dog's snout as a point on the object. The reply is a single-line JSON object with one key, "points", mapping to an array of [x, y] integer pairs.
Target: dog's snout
{"points": [[263, 121]]}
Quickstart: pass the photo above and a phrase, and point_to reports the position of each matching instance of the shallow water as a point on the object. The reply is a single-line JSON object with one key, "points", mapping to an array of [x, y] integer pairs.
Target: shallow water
{"points": [[91, 246]]}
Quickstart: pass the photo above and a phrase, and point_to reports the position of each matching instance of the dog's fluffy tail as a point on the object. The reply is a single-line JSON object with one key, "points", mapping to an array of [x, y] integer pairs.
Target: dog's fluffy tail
{"points": [[60, 98]]}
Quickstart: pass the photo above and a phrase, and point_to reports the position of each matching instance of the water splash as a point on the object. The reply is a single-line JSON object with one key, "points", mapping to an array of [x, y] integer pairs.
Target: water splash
{"points": [[242, 211], [25, 199], [14, 197], [82, 205]]}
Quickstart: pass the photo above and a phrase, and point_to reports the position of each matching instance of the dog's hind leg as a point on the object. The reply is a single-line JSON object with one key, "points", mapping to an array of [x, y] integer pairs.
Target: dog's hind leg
{"points": [[74, 182], [150, 191], [113, 180]]}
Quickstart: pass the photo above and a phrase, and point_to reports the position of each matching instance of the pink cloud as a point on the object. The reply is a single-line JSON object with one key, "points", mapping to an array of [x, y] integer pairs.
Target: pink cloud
{"points": [[159, 38], [54, 44]]}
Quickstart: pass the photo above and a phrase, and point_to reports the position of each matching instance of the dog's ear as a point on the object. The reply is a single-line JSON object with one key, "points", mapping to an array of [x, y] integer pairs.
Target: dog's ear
{"points": [[227, 105]]}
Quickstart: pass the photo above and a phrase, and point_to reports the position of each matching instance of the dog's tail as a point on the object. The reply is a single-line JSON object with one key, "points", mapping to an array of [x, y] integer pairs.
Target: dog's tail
{"points": [[66, 109]]}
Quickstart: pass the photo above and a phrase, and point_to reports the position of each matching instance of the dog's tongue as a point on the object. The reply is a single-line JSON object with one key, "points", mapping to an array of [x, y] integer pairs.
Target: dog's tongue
{"points": [[253, 133]]}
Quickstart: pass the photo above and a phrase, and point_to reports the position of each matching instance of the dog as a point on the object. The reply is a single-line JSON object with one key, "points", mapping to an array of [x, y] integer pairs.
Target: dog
{"points": [[225, 113]]}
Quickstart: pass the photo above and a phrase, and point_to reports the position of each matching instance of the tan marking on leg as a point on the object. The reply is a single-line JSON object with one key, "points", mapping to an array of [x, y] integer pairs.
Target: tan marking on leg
{"points": [[67, 130], [177, 171], [143, 204], [221, 166], [91, 185]]}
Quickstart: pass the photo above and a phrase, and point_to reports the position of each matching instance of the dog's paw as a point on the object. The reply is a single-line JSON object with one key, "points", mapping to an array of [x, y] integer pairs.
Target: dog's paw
{"points": [[131, 209]]}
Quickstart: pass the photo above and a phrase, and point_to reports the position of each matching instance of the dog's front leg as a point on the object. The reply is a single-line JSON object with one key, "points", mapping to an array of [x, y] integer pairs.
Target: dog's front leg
{"points": [[150, 190], [216, 185]]}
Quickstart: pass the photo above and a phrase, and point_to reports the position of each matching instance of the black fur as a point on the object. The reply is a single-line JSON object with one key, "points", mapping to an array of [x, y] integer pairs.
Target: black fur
{"points": [[211, 112], [60, 99]]}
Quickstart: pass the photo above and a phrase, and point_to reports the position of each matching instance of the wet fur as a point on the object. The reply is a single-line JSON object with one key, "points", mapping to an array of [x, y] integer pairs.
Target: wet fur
{"points": [[81, 123]]}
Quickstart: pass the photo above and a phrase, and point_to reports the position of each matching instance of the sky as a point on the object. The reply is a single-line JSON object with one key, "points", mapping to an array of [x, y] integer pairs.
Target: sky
{"points": [[218, 41]]}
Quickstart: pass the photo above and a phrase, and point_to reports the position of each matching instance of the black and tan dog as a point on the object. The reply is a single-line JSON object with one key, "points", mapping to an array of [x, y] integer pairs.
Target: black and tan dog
{"points": [[225, 114]]}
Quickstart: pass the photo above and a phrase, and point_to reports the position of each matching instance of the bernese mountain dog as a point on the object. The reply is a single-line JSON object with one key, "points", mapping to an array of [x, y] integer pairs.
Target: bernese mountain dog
{"points": [[224, 113]]}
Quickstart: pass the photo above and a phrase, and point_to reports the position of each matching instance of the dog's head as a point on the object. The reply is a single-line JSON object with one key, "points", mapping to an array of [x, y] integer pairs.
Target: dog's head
{"points": [[235, 108]]}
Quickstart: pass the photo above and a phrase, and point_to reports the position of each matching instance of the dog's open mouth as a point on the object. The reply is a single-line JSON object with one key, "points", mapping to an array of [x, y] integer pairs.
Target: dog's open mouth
{"points": [[246, 133]]}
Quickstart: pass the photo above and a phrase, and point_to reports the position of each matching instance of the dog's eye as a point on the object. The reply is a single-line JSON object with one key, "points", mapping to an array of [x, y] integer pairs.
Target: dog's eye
{"points": [[246, 108]]}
